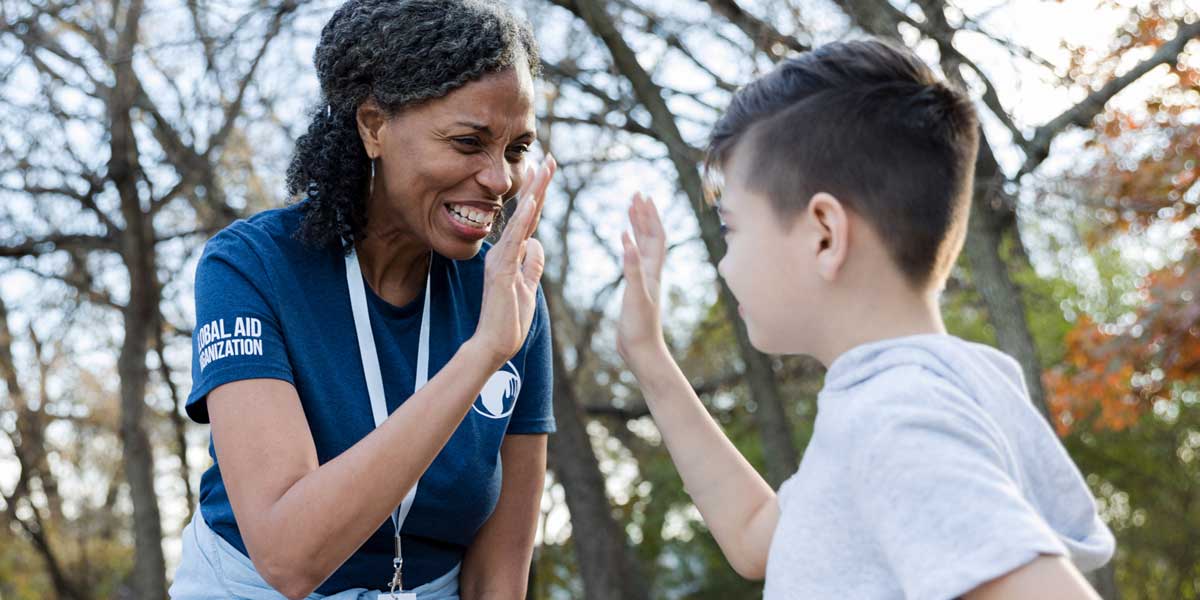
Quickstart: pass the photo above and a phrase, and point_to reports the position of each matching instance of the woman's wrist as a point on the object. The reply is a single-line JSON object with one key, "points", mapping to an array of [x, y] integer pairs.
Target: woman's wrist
{"points": [[480, 352]]}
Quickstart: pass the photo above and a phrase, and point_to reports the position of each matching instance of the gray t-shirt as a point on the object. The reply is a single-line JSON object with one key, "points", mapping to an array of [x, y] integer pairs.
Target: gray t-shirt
{"points": [[929, 473]]}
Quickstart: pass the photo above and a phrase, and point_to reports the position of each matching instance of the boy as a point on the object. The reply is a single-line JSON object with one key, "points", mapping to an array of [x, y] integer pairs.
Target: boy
{"points": [[848, 176]]}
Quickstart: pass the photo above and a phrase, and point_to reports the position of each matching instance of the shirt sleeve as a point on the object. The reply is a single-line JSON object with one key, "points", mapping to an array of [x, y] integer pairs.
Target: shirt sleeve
{"points": [[932, 486], [534, 411], [237, 334]]}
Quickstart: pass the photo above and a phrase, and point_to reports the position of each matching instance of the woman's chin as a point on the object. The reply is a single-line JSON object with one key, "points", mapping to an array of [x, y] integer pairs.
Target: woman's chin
{"points": [[458, 249]]}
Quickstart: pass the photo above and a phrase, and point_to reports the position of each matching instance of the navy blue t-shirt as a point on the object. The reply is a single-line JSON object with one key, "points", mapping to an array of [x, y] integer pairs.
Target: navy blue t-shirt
{"points": [[269, 306]]}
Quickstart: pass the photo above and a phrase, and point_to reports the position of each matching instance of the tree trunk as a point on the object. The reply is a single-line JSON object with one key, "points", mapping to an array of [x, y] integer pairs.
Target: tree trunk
{"points": [[149, 571], [1104, 580], [606, 563], [178, 423], [140, 313], [989, 273]]}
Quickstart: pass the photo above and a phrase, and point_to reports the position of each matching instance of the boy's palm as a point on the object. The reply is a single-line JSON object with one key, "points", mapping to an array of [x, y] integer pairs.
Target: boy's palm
{"points": [[641, 321]]}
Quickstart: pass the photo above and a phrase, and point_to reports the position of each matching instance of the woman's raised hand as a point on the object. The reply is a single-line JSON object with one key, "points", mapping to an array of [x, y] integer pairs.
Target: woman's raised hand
{"points": [[640, 326], [512, 270]]}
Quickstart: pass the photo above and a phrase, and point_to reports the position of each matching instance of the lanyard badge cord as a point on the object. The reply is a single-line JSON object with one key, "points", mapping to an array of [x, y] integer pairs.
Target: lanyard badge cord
{"points": [[374, 378]]}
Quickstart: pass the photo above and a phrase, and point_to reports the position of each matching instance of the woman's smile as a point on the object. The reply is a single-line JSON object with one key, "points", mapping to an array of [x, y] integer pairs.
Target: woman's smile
{"points": [[471, 221]]}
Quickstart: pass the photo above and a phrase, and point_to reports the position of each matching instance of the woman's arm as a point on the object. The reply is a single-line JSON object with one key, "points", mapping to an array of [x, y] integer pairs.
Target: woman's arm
{"points": [[497, 563], [301, 520], [738, 506]]}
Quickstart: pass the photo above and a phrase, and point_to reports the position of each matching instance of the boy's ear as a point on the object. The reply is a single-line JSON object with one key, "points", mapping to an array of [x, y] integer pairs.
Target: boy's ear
{"points": [[831, 227], [370, 120]]}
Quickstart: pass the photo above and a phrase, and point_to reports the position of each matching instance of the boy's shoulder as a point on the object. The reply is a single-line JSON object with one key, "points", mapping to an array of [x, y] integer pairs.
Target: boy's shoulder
{"points": [[930, 385], [907, 391]]}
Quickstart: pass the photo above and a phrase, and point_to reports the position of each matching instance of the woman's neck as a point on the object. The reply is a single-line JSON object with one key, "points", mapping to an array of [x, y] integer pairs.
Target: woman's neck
{"points": [[394, 262]]}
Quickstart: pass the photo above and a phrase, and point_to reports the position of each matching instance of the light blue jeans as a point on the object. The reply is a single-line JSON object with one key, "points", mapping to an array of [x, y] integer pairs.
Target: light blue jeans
{"points": [[212, 569]]}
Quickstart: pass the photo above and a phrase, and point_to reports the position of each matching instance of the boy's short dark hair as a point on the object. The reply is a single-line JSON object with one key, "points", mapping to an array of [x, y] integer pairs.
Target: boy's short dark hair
{"points": [[869, 123]]}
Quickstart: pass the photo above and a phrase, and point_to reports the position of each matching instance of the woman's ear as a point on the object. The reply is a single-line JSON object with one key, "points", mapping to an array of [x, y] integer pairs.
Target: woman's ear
{"points": [[829, 218], [370, 120]]}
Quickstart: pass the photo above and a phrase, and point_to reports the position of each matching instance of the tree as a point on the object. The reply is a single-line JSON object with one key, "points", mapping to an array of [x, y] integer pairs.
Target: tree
{"points": [[100, 80]]}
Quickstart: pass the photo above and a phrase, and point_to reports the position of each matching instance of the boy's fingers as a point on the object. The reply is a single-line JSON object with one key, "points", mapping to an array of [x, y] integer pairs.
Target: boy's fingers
{"points": [[654, 220], [637, 218], [650, 239], [645, 221], [633, 267]]}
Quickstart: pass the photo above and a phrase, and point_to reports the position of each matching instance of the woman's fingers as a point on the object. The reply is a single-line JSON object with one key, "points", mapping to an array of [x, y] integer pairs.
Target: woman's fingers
{"points": [[547, 170], [534, 262], [512, 248], [508, 248]]}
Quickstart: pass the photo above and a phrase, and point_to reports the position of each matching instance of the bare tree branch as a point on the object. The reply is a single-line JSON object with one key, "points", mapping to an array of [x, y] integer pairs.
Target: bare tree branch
{"points": [[1081, 114], [234, 109], [764, 35], [58, 241], [937, 29], [771, 418]]}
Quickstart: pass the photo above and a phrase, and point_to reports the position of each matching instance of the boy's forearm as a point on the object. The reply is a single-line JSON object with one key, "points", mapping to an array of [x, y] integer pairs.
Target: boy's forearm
{"points": [[738, 506]]}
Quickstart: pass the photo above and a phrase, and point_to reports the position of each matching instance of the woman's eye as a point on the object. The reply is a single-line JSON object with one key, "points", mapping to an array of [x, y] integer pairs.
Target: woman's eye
{"points": [[516, 152], [471, 142], [724, 229]]}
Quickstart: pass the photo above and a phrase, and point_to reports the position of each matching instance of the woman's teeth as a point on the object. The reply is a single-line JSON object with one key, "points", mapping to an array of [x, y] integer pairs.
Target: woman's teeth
{"points": [[471, 217]]}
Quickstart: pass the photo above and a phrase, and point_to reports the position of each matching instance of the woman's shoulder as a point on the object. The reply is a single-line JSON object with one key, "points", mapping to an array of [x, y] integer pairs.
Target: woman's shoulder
{"points": [[269, 234]]}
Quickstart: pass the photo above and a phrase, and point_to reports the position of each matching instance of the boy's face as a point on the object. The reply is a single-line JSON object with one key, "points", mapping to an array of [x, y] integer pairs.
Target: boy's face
{"points": [[769, 266]]}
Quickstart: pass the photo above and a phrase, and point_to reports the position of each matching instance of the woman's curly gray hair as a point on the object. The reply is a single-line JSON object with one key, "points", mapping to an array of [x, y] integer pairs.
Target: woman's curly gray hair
{"points": [[398, 52]]}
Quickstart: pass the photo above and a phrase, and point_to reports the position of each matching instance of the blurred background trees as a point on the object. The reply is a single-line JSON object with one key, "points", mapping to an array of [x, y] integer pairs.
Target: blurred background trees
{"points": [[131, 132]]}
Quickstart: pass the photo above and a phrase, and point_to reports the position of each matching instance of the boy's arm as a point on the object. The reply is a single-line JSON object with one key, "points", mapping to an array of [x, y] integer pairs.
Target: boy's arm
{"points": [[738, 506], [1047, 577]]}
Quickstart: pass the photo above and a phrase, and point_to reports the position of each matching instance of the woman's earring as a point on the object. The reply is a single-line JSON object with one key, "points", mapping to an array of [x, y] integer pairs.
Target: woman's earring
{"points": [[371, 184]]}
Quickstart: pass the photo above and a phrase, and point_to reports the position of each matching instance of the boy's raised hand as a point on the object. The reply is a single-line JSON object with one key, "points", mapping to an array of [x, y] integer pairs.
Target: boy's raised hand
{"points": [[640, 327]]}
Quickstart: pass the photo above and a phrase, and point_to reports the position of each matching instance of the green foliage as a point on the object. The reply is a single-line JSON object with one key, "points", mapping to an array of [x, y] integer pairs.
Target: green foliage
{"points": [[1147, 481]]}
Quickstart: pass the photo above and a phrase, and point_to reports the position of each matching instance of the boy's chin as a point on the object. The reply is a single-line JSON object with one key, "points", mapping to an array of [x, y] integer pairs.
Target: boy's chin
{"points": [[777, 339], [765, 343]]}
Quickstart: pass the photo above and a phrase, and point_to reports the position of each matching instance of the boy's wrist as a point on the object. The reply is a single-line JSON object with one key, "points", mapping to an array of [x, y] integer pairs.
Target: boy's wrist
{"points": [[646, 355]]}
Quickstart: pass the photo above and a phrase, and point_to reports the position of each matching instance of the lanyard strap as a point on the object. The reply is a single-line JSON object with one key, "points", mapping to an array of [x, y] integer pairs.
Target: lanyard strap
{"points": [[370, 362]]}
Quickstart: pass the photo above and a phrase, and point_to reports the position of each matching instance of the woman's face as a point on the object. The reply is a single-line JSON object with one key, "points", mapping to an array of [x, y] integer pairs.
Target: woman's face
{"points": [[446, 166]]}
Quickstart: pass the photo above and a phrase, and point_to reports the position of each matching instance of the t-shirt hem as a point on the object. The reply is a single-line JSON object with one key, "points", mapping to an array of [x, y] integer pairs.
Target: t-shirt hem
{"points": [[529, 427], [990, 566]]}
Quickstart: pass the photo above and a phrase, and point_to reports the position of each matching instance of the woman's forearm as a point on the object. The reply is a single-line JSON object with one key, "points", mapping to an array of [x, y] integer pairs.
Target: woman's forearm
{"points": [[325, 516], [738, 506], [496, 566]]}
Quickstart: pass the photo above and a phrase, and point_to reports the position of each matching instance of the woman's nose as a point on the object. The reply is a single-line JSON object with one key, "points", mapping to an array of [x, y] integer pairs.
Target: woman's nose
{"points": [[496, 177]]}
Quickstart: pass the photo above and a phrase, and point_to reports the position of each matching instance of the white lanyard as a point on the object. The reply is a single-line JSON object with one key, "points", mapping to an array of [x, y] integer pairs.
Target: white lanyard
{"points": [[370, 362]]}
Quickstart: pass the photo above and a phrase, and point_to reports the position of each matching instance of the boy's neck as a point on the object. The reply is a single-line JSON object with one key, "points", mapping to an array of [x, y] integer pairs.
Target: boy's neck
{"points": [[874, 317]]}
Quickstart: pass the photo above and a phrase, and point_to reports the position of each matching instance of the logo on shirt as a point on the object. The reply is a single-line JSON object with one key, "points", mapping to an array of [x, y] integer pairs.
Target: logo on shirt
{"points": [[499, 394], [216, 341]]}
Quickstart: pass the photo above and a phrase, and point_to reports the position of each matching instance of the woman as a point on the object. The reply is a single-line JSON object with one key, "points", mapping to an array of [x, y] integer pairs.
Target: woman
{"points": [[368, 364]]}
